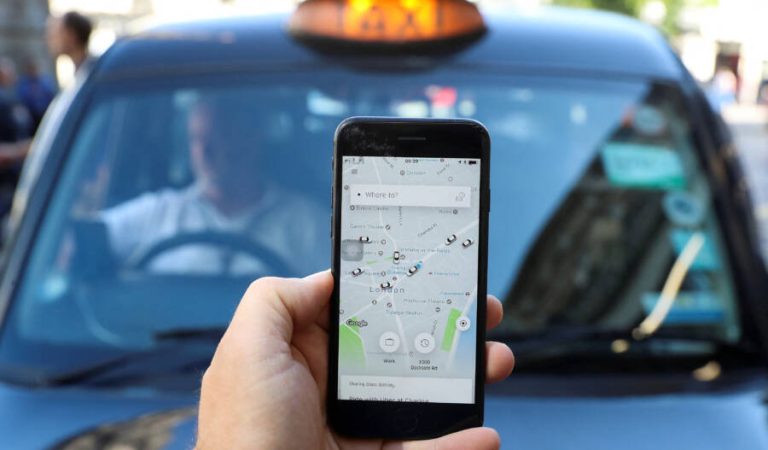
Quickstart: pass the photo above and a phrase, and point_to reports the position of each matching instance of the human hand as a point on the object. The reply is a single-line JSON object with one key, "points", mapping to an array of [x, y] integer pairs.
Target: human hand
{"points": [[266, 385]]}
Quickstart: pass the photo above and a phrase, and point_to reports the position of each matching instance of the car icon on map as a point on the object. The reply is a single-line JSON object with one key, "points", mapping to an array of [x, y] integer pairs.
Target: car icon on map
{"points": [[386, 285], [467, 243], [414, 269], [450, 239], [365, 239], [357, 272], [396, 257]]}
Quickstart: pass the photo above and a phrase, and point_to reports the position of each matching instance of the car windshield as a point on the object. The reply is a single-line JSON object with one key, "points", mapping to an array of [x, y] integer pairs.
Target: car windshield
{"points": [[176, 193]]}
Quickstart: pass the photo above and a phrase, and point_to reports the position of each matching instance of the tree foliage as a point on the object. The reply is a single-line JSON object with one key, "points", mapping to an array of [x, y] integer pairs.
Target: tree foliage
{"points": [[634, 8], [628, 7]]}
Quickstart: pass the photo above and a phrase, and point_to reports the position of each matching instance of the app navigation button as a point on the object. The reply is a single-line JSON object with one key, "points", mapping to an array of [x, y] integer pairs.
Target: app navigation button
{"points": [[389, 342], [424, 343]]}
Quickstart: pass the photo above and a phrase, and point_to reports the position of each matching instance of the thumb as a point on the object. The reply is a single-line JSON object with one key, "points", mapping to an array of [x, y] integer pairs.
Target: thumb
{"points": [[276, 306], [472, 438]]}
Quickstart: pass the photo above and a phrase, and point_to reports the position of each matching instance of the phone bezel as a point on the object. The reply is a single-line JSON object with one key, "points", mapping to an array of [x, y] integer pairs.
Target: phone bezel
{"points": [[449, 138]]}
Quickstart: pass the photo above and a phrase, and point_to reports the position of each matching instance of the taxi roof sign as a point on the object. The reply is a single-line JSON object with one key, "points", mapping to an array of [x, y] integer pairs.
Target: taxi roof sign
{"points": [[386, 21]]}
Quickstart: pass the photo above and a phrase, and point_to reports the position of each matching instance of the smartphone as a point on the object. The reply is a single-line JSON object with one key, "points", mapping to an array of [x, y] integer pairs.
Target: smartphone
{"points": [[409, 228]]}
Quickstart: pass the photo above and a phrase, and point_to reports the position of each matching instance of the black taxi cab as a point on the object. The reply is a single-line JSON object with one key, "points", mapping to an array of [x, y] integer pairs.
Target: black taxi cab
{"points": [[195, 157]]}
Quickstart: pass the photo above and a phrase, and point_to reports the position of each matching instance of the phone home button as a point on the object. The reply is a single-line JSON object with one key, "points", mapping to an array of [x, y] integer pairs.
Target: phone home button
{"points": [[406, 420]]}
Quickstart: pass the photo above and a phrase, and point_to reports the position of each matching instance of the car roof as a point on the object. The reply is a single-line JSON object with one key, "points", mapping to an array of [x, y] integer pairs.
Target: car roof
{"points": [[549, 39]]}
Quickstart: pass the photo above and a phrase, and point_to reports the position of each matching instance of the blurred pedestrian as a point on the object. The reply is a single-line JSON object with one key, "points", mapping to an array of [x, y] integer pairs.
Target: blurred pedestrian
{"points": [[69, 35], [15, 127], [35, 91], [723, 89], [15, 120]]}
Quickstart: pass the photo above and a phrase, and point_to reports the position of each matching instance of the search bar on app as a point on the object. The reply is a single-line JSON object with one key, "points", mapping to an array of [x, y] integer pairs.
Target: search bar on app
{"points": [[410, 195]]}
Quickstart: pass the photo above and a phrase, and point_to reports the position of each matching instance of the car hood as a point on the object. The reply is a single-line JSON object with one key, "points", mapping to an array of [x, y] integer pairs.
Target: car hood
{"points": [[631, 413], [665, 422], [733, 418], [58, 418]]}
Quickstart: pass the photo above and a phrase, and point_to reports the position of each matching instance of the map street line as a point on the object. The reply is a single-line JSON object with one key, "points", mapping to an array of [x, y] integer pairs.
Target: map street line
{"points": [[396, 283]]}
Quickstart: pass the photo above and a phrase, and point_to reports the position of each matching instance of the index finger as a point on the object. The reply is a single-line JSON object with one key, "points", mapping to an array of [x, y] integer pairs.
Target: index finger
{"points": [[494, 312]]}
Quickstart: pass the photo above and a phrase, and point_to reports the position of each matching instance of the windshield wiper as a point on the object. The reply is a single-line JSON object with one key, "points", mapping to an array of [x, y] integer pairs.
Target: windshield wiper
{"points": [[120, 362], [617, 341], [84, 374], [182, 334]]}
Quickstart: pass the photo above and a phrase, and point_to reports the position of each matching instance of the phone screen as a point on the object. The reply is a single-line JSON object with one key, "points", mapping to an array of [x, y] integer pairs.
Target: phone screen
{"points": [[408, 279]]}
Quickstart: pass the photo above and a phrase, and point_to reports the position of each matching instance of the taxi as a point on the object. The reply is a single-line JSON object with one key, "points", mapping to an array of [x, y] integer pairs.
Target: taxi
{"points": [[195, 157]]}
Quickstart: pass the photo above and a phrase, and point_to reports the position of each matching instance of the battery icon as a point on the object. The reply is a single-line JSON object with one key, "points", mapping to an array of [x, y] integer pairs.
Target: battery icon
{"points": [[472, 163]]}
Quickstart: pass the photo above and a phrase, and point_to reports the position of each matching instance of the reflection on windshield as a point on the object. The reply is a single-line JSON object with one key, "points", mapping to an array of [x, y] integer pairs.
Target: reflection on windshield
{"points": [[634, 244], [669, 292]]}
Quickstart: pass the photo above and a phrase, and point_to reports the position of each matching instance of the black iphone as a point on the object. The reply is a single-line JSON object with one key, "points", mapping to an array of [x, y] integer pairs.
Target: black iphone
{"points": [[409, 231]]}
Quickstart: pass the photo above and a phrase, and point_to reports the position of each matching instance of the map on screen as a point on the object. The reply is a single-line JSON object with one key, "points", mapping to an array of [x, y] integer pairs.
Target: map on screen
{"points": [[408, 279]]}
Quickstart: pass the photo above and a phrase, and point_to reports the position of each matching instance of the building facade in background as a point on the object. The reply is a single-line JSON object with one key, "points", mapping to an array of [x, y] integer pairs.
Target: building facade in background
{"points": [[731, 35]]}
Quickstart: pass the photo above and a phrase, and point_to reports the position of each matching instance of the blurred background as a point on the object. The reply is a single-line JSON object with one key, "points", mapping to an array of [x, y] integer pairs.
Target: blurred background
{"points": [[713, 37]]}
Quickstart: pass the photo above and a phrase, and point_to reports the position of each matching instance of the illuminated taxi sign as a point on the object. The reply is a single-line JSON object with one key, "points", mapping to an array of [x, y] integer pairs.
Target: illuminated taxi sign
{"points": [[386, 21]]}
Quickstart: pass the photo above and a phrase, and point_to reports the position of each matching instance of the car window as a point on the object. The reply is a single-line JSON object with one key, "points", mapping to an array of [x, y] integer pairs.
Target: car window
{"points": [[176, 194], [605, 253]]}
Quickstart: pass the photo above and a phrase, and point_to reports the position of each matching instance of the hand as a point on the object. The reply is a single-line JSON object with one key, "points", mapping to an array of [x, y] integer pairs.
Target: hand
{"points": [[265, 387]]}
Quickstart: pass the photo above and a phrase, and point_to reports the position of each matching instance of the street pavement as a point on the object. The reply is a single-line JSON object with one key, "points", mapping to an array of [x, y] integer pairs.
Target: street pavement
{"points": [[749, 124]]}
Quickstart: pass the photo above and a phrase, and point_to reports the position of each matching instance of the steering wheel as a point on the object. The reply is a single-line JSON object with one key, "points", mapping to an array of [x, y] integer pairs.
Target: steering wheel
{"points": [[233, 243]]}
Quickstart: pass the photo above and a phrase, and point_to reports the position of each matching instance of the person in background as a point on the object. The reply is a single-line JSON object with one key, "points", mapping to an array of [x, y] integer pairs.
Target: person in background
{"points": [[35, 90], [723, 89], [230, 196], [70, 35], [15, 121], [15, 127], [66, 35]]}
